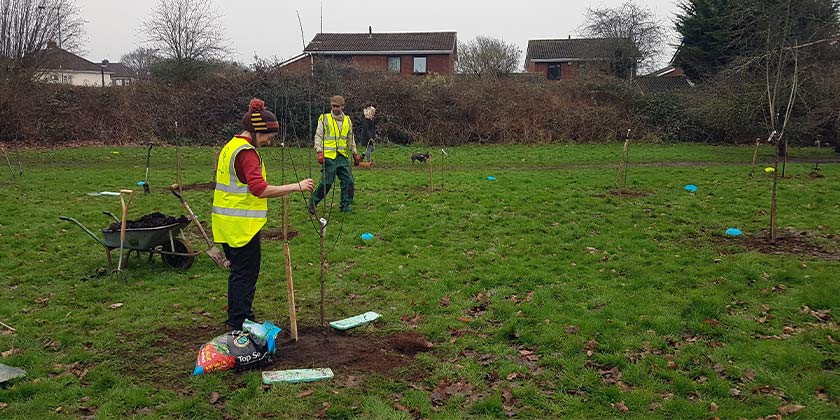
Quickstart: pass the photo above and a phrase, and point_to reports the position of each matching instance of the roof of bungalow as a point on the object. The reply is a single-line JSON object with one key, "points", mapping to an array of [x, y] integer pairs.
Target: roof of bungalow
{"points": [[580, 49], [383, 43]]}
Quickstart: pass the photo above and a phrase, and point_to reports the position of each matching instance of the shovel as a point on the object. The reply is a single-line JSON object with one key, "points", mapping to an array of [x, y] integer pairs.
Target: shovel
{"points": [[213, 251], [146, 182]]}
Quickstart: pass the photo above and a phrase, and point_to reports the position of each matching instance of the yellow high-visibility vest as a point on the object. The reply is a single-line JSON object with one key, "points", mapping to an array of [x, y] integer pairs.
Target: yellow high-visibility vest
{"points": [[335, 141], [237, 214]]}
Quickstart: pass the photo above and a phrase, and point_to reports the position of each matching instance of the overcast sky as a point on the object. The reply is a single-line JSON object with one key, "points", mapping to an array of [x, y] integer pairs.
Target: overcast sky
{"points": [[270, 28]]}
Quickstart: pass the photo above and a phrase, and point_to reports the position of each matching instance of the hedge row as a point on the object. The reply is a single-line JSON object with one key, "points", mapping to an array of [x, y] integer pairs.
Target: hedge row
{"points": [[434, 110]]}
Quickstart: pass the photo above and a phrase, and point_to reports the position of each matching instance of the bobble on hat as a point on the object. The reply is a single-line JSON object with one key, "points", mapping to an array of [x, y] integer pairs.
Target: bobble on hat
{"points": [[256, 105]]}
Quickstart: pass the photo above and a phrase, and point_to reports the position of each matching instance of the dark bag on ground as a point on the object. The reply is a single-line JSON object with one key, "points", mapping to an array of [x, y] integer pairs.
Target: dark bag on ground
{"points": [[252, 347]]}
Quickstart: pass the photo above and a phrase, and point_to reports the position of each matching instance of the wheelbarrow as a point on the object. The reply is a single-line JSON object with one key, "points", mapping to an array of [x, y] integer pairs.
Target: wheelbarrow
{"points": [[167, 240]]}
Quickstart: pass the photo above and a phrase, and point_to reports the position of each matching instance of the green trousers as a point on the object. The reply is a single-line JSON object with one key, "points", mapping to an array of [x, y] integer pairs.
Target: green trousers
{"points": [[340, 167]]}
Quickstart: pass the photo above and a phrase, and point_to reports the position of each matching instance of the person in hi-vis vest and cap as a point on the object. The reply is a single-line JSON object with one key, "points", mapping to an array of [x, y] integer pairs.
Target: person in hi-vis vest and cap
{"points": [[335, 146], [240, 207]]}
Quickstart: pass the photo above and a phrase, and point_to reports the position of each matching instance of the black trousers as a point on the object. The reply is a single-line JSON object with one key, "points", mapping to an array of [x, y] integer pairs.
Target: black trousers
{"points": [[242, 282]]}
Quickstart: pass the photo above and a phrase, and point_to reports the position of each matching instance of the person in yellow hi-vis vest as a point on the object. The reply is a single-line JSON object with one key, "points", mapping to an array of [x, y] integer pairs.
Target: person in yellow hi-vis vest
{"points": [[240, 207], [335, 146]]}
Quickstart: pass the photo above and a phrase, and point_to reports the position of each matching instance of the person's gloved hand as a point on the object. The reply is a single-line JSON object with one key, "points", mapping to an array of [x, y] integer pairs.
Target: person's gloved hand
{"points": [[356, 159], [320, 158]]}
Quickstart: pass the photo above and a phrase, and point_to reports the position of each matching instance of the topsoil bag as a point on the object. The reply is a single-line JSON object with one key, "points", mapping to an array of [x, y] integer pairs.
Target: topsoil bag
{"points": [[249, 348]]}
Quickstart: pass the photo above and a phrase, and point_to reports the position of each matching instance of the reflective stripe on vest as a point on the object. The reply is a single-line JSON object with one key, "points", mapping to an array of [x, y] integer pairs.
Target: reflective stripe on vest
{"points": [[237, 214], [335, 139], [240, 213]]}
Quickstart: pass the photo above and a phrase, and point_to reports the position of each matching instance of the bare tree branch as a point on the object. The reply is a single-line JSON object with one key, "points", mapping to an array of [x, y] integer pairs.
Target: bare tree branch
{"points": [[487, 57], [186, 30], [141, 61], [26, 28], [629, 21]]}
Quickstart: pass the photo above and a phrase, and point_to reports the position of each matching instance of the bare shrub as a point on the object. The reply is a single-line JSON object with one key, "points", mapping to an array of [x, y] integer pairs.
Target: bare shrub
{"points": [[434, 110]]}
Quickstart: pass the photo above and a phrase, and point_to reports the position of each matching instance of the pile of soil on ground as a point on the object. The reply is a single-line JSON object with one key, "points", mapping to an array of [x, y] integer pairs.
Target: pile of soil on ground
{"points": [[199, 187], [277, 234], [347, 352], [171, 357], [150, 220], [788, 242]]}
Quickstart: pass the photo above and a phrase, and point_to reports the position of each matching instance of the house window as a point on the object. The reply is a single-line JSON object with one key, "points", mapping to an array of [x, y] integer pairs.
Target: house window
{"points": [[554, 71], [394, 64], [420, 64]]}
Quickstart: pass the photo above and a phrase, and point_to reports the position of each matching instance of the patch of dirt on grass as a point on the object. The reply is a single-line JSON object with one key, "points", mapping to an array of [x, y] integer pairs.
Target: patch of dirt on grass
{"points": [[348, 352], [169, 360], [789, 242], [277, 234], [624, 193], [206, 186]]}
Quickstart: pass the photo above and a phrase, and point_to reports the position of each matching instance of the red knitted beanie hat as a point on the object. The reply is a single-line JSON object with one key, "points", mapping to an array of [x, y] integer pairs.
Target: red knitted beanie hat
{"points": [[258, 119]]}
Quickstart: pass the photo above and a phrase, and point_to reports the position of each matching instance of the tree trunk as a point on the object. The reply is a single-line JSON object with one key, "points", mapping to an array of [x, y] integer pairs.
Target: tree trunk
{"points": [[773, 201]]}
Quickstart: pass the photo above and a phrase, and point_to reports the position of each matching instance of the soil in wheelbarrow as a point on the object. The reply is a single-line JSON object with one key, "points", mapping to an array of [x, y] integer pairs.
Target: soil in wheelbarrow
{"points": [[151, 220]]}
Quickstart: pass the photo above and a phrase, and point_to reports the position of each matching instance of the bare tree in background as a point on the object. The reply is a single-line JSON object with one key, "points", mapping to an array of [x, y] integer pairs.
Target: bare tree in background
{"points": [[487, 57], [630, 21], [141, 61], [28, 26], [186, 30]]}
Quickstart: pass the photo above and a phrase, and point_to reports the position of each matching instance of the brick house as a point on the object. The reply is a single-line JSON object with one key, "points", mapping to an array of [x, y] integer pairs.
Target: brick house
{"points": [[398, 52], [568, 58]]}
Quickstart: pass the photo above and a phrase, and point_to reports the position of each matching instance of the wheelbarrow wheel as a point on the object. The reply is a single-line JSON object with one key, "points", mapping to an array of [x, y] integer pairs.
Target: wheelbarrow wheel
{"points": [[181, 262]]}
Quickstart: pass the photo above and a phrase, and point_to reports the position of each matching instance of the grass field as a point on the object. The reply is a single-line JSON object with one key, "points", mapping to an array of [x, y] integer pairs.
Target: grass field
{"points": [[544, 295]]}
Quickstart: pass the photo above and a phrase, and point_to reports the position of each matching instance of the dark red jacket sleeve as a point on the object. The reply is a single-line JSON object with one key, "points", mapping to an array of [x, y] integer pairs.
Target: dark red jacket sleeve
{"points": [[249, 171]]}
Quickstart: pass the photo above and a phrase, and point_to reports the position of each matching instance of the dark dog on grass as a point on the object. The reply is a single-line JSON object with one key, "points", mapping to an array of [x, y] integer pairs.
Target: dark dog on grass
{"points": [[420, 157]]}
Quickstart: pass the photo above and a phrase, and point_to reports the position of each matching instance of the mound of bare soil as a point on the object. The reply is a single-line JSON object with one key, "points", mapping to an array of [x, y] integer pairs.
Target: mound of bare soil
{"points": [[205, 186], [277, 234], [150, 220], [788, 242], [172, 356], [348, 352], [791, 243]]}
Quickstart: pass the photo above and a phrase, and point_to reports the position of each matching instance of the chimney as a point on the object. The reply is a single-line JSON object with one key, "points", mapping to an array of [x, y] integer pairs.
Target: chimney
{"points": [[570, 36], [51, 45], [370, 32]]}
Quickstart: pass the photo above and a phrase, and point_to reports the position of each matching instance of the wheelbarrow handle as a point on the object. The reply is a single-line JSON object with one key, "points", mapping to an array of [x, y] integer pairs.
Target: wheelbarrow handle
{"points": [[80, 225]]}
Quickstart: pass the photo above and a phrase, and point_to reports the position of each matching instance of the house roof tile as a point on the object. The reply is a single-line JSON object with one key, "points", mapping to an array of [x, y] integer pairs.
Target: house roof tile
{"points": [[382, 42], [579, 48], [58, 58], [121, 70]]}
